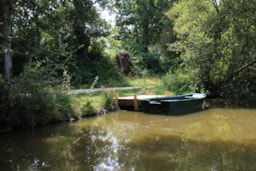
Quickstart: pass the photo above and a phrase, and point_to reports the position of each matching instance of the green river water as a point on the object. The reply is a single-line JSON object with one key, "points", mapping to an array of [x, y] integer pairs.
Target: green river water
{"points": [[218, 139]]}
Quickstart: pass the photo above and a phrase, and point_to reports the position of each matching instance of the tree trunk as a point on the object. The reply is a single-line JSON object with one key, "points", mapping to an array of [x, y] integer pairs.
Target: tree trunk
{"points": [[79, 27], [145, 30], [5, 39]]}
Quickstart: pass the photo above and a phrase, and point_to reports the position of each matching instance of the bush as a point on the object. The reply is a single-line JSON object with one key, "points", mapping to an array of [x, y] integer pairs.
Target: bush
{"points": [[179, 82], [89, 109], [97, 65], [107, 100], [36, 98]]}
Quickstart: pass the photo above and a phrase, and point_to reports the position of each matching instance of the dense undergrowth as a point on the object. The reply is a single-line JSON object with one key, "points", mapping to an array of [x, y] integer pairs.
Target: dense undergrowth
{"points": [[35, 98]]}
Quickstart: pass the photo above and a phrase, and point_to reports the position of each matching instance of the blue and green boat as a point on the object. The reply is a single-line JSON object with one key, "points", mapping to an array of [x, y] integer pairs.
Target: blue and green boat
{"points": [[173, 105]]}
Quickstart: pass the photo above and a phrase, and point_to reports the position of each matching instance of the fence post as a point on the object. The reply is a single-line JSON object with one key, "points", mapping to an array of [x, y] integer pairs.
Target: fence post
{"points": [[116, 101], [147, 92], [135, 103]]}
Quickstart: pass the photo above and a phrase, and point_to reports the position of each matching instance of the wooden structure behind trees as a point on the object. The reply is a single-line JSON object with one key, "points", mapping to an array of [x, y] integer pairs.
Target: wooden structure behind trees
{"points": [[123, 62]]}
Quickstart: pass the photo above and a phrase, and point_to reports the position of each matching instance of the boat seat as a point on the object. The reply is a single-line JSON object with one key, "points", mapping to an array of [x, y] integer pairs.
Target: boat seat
{"points": [[189, 97], [154, 102]]}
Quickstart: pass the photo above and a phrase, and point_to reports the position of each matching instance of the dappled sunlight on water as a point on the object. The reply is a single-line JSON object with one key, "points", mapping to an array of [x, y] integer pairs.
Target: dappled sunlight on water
{"points": [[214, 140]]}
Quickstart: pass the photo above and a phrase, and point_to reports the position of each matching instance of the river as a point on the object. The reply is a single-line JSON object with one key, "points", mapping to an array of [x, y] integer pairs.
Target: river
{"points": [[218, 139]]}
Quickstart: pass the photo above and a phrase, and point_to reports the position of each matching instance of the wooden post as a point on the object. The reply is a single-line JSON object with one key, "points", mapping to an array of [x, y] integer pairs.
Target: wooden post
{"points": [[116, 101], [135, 103], [147, 92]]}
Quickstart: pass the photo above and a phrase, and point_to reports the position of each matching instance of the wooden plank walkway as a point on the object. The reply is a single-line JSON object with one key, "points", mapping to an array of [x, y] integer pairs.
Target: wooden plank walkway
{"points": [[132, 102]]}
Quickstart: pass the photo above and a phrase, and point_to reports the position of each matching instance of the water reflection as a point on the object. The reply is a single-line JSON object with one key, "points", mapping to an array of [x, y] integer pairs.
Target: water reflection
{"points": [[214, 140]]}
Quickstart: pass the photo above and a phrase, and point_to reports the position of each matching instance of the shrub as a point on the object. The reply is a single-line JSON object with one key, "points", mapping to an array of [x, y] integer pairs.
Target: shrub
{"points": [[107, 100], [89, 109], [98, 65], [37, 98], [179, 82]]}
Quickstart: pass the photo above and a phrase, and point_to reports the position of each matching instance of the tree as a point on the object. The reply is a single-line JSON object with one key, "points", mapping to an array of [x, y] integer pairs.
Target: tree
{"points": [[64, 35], [5, 39], [142, 25], [87, 25], [50, 40], [217, 40], [141, 20]]}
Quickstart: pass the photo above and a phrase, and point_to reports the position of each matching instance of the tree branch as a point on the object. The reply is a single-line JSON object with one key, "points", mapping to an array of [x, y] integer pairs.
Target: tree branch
{"points": [[215, 4], [239, 71]]}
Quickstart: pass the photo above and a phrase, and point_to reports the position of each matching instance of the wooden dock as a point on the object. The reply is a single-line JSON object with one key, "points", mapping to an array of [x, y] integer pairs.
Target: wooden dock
{"points": [[132, 102]]}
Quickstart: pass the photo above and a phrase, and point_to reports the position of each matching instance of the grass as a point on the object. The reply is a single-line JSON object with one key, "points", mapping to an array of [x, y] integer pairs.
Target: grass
{"points": [[145, 82], [86, 104], [95, 102]]}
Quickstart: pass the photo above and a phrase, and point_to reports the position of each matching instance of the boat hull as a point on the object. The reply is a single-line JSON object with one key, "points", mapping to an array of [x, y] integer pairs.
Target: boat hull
{"points": [[173, 105]]}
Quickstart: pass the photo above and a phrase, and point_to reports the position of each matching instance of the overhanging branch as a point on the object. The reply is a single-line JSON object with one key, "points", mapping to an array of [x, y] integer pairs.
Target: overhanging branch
{"points": [[239, 71]]}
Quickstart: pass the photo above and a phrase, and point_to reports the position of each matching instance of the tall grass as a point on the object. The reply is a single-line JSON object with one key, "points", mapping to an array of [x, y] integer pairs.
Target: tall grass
{"points": [[151, 85], [107, 100], [145, 82]]}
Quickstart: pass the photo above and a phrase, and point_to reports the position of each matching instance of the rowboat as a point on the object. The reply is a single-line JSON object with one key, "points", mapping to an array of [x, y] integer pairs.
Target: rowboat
{"points": [[173, 105]]}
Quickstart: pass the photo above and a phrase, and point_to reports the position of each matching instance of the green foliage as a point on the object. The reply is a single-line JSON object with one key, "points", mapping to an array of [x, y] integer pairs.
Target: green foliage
{"points": [[218, 41], [64, 35], [146, 64], [113, 44], [84, 105], [142, 21], [144, 31], [107, 99], [179, 82], [93, 103], [101, 66], [36, 98], [89, 109], [87, 26]]}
